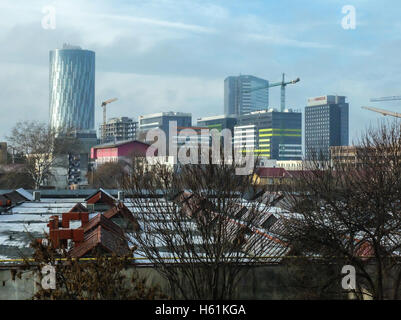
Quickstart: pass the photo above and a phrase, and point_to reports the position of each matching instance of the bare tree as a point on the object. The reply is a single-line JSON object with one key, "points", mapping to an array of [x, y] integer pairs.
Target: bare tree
{"points": [[349, 213], [196, 226], [108, 175], [42, 148], [97, 278]]}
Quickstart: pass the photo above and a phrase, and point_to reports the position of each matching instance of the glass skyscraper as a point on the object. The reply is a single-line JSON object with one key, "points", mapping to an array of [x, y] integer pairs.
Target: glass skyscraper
{"points": [[238, 97], [326, 125], [72, 88]]}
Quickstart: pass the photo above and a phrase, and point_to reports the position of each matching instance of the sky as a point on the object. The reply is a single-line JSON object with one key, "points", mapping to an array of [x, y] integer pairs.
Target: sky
{"points": [[173, 55]]}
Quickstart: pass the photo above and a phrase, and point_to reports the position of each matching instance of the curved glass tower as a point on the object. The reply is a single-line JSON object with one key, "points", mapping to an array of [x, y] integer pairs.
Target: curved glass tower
{"points": [[72, 88]]}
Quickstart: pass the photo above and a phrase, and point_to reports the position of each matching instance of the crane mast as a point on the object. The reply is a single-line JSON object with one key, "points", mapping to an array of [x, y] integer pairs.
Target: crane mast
{"points": [[103, 105]]}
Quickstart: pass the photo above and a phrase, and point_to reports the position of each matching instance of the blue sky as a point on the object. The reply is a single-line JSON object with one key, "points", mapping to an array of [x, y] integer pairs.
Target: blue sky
{"points": [[174, 55]]}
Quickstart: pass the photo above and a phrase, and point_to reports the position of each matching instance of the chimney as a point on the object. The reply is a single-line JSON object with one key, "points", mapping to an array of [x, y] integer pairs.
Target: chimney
{"points": [[121, 196], [36, 196]]}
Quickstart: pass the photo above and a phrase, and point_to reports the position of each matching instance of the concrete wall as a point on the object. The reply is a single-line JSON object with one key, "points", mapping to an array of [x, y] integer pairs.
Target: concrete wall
{"points": [[262, 282]]}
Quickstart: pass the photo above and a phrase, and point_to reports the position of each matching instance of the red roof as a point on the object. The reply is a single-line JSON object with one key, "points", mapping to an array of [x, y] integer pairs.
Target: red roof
{"points": [[100, 197], [101, 220], [103, 239], [271, 172], [79, 207]]}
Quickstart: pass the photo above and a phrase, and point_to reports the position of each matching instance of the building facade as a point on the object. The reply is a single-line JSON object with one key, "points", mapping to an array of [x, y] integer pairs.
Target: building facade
{"points": [[120, 151], [270, 134], [326, 125], [119, 129], [72, 88], [218, 122], [238, 97], [162, 121]]}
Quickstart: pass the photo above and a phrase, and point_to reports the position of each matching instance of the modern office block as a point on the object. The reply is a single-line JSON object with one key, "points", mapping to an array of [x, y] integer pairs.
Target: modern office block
{"points": [[72, 88], [326, 125], [218, 122], [270, 134], [162, 120], [239, 98]]}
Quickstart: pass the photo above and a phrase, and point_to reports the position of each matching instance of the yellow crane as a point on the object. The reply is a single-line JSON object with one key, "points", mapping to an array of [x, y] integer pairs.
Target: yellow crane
{"points": [[384, 112], [104, 104]]}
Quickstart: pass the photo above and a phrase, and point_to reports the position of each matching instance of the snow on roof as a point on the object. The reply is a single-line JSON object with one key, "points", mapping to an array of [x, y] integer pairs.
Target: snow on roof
{"points": [[25, 194]]}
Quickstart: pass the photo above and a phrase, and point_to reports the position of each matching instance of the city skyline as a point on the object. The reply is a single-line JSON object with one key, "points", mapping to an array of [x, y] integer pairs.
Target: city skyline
{"points": [[169, 55]]}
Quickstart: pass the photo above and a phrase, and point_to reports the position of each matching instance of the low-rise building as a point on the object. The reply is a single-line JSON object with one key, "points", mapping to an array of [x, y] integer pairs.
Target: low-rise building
{"points": [[120, 151]]}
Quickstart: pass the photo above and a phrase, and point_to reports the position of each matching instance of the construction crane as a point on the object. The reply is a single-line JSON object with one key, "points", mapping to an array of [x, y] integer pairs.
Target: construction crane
{"points": [[283, 84], [392, 98], [104, 104], [384, 112]]}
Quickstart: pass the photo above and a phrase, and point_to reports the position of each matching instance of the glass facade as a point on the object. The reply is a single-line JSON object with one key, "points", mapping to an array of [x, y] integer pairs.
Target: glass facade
{"points": [[218, 122], [72, 88], [326, 125], [238, 99], [272, 134]]}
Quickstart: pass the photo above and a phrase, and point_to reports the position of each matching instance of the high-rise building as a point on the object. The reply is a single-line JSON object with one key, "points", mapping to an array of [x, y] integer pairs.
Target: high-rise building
{"points": [[238, 97], [72, 88], [270, 134], [326, 125], [119, 129]]}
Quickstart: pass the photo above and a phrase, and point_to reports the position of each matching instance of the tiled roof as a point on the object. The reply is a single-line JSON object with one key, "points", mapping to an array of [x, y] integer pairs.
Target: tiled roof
{"points": [[101, 220], [103, 239], [79, 207], [102, 196], [120, 210]]}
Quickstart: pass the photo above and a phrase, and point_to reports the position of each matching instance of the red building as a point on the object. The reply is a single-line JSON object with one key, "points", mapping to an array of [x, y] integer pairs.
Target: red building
{"points": [[123, 150]]}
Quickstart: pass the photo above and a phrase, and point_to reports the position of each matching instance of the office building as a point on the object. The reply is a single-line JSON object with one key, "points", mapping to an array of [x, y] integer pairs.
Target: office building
{"points": [[240, 98], [270, 134], [326, 125], [119, 129], [162, 121], [218, 122], [192, 136], [72, 88]]}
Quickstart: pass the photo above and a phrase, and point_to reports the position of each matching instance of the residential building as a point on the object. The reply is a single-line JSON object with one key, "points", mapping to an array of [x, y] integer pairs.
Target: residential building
{"points": [[270, 134], [239, 98], [119, 129], [326, 125], [72, 88]]}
